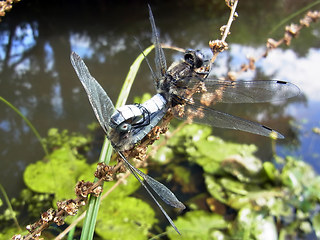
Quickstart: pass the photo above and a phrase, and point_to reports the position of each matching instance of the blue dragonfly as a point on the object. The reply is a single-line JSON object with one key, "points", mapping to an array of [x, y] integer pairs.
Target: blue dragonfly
{"points": [[186, 88]]}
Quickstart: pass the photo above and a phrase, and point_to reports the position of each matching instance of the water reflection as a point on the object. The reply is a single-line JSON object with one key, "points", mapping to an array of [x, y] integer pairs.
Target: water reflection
{"points": [[36, 75]]}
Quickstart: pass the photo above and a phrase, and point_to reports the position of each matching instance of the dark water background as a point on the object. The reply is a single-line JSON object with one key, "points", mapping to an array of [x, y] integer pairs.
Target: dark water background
{"points": [[36, 75]]}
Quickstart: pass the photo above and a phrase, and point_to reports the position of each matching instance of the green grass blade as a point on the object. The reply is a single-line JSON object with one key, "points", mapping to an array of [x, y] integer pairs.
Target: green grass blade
{"points": [[71, 233], [293, 15], [106, 152], [13, 215], [124, 93], [34, 130]]}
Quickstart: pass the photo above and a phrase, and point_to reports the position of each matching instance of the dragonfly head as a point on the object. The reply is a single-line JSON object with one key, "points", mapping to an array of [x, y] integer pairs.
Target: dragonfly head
{"points": [[194, 58]]}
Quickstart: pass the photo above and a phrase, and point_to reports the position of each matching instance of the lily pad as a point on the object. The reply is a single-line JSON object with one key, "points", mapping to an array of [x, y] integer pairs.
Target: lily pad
{"points": [[163, 155], [125, 218], [198, 225], [245, 168], [214, 151], [254, 225], [58, 175]]}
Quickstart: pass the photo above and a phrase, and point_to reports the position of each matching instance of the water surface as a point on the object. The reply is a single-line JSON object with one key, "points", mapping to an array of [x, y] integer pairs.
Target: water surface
{"points": [[37, 77]]}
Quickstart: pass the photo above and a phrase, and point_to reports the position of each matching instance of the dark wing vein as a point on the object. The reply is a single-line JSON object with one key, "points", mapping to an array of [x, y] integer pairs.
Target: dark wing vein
{"points": [[245, 91], [219, 119]]}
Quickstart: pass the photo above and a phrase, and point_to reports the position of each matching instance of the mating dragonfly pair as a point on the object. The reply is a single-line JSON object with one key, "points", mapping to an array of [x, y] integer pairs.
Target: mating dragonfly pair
{"points": [[185, 88]]}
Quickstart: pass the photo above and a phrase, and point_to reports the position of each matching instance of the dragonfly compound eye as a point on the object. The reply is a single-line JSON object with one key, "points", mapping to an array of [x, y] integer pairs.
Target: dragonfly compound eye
{"points": [[124, 127], [198, 62], [194, 58]]}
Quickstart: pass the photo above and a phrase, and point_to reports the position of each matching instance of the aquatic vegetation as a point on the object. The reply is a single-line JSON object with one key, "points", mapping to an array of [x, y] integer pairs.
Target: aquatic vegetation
{"points": [[245, 197], [264, 197]]}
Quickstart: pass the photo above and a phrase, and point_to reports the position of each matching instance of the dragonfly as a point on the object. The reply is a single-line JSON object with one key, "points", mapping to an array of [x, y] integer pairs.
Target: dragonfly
{"points": [[126, 126], [186, 88]]}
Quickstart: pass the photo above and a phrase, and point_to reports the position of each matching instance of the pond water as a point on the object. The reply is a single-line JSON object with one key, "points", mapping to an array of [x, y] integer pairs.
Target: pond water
{"points": [[36, 75]]}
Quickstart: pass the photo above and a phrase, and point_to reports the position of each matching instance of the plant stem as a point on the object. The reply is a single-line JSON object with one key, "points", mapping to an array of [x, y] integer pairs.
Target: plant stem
{"points": [[34, 130], [10, 207]]}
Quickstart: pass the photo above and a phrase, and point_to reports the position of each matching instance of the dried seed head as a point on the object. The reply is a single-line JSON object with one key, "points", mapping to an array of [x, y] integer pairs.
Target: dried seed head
{"points": [[48, 215], [32, 227], [309, 18], [104, 171], [223, 29], [140, 152], [122, 170], [232, 76], [17, 237], [29, 227], [252, 61], [7, 8], [290, 32], [192, 113], [179, 110], [293, 29], [218, 46], [82, 189], [59, 220], [81, 203], [97, 191], [68, 206], [271, 43], [230, 3], [210, 97], [244, 67]]}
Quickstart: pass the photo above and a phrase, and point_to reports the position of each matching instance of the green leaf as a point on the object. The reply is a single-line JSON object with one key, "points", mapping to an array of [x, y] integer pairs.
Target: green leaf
{"points": [[214, 151], [59, 175], [198, 225], [316, 224], [163, 155], [245, 167], [233, 186], [270, 170], [215, 189], [254, 225], [124, 218]]}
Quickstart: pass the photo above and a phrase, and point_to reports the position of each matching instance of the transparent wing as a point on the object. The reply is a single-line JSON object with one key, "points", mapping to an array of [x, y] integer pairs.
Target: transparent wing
{"points": [[100, 102], [212, 117], [164, 193], [160, 59], [242, 91]]}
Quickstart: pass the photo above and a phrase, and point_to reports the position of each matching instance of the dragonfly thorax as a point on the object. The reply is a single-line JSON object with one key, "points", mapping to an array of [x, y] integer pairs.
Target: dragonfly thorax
{"points": [[175, 82]]}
